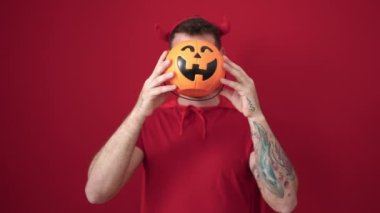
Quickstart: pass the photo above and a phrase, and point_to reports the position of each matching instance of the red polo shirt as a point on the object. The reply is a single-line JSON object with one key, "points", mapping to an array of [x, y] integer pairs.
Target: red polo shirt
{"points": [[196, 160]]}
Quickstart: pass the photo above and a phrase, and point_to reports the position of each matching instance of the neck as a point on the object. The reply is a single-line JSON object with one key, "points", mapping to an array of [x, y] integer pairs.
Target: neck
{"points": [[207, 103]]}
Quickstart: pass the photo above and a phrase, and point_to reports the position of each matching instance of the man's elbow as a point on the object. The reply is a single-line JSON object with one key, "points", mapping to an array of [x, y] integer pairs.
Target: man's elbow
{"points": [[95, 197], [286, 207]]}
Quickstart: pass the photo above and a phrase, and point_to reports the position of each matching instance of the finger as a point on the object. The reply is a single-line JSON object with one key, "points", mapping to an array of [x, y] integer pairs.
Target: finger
{"points": [[162, 89], [161, 79], [227, 93], [233, 84], [161, 64], [235, 73], [161, 68], [162, 57], [236, 67]]}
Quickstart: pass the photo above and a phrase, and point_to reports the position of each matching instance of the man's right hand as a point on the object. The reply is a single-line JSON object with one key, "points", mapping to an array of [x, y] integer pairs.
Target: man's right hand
{"points": [[153, 92]]}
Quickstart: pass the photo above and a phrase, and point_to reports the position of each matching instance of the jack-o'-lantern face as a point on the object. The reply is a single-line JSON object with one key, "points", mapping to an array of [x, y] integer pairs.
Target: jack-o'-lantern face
{"points": [[198, 68]]}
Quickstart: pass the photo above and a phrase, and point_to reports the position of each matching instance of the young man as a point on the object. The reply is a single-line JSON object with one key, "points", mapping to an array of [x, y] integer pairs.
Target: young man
{"points": [[199, 156]]}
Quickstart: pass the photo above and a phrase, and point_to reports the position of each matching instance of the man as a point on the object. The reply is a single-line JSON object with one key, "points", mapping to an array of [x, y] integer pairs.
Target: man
{"points": [[199, 156]]}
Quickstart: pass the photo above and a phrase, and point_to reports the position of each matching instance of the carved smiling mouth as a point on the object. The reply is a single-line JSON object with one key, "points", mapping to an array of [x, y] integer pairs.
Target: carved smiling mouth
{"points": [[190, 73]]}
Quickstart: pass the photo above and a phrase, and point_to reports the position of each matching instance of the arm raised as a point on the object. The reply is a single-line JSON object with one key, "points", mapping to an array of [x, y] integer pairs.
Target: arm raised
{"points": [[113, 165], [272, 170]]}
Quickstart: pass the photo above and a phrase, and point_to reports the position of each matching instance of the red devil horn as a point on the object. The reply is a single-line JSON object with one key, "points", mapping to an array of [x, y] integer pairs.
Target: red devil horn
{"points": [[161, 33], [225, 26]]}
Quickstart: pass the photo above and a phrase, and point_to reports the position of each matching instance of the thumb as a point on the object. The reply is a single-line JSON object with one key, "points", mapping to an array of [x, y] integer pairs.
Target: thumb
{"points": [[227, 93]]}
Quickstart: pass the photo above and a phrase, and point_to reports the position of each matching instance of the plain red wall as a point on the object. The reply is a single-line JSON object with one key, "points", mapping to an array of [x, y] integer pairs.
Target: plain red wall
{"points": [[72, 70]]}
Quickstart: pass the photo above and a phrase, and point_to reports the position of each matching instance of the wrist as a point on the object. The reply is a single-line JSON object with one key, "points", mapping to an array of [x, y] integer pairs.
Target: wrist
{"points": [[137, 116], [257, 117]]}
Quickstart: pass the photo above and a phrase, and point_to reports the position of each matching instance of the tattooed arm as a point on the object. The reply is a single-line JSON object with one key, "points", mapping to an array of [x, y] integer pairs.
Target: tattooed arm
{"points": [[272, 170]]}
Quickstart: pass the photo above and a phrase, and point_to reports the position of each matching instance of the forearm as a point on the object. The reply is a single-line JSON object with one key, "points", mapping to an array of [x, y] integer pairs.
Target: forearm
{"points": [[273, 171], [107, 170]]}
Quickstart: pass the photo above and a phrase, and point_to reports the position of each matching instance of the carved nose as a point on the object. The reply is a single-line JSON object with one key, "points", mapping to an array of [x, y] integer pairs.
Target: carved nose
{"points": [[197, 55]]}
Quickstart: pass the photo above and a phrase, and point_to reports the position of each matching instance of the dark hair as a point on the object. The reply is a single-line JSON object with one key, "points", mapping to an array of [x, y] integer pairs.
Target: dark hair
{"points": [[197, 26]]}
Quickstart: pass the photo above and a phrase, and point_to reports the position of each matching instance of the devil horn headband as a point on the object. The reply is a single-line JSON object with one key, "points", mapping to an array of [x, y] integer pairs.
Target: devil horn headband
{"points": [[224, 28]]}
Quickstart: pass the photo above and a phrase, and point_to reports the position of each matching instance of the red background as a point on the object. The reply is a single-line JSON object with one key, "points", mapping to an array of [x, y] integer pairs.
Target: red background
{"points": [[72, 70]]}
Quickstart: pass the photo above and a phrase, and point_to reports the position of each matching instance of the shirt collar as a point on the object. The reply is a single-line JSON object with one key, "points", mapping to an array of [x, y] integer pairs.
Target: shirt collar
{"points": [[172, 102]]}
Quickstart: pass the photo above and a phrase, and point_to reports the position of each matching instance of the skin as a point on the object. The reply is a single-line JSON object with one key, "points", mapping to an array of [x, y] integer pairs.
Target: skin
{"points": [[269, 164], [117, 160]]}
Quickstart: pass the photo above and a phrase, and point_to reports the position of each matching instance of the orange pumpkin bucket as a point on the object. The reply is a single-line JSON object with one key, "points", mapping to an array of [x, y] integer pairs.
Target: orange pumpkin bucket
{"points": [[198, 67]]}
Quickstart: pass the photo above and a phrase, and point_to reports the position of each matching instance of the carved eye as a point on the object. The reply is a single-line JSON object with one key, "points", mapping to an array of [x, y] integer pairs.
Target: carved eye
{"points": [[198, 66], [188, 47], [204, 48]]}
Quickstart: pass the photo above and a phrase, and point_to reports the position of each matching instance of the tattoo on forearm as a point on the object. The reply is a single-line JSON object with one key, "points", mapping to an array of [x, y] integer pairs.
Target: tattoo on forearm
{"points": [[265, 168], [280, 158], [251, 106], [270, 156]]}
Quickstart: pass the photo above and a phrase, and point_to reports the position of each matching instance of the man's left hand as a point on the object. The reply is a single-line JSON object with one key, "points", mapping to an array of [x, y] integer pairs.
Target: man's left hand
{"points": [[243, 94]]}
